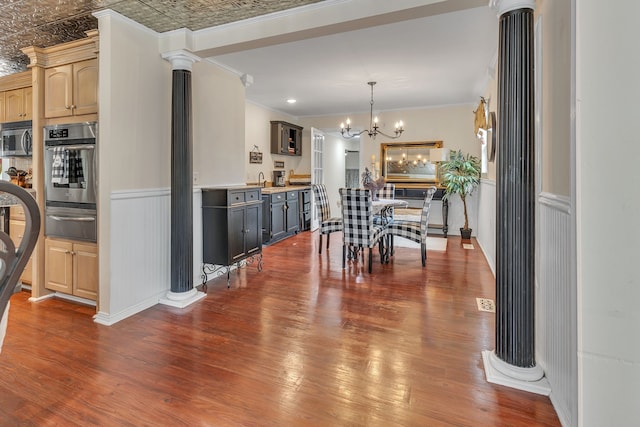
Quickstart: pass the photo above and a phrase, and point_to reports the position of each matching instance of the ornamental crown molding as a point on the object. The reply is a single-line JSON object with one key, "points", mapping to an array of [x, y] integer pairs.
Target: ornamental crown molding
{"points": [[65, 53], [504, 6], [181, 59]]}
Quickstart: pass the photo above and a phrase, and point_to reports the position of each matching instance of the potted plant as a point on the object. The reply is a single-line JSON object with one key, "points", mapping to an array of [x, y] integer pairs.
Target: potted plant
{"points": [[461, 175]]}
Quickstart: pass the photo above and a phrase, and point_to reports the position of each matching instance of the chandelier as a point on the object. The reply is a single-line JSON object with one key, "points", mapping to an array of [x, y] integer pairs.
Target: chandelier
{"points": [[373, 124]]}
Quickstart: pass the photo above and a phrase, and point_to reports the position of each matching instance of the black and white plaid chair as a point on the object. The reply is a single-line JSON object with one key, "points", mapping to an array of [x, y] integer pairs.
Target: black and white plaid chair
{"points": [[386, 192], [415, 230], [327, 224], [358, 229]]}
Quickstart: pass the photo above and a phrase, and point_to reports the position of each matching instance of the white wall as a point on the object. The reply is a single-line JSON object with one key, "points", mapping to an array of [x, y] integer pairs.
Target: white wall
{"points": [[608, 67], [258, 132], [134, 156], [218, 126]]}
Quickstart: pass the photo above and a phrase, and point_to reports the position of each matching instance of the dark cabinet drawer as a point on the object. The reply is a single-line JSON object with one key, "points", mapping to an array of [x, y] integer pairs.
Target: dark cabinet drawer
{"points": [[236, 197]]}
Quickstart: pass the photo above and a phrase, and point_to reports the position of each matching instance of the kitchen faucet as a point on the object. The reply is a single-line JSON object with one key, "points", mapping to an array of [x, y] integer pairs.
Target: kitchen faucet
{"points": [[262, 182]]}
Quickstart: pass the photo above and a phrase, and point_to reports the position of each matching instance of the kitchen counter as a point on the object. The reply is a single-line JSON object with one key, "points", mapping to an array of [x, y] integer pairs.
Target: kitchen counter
{"points": [[7, 199], [272, 190]]}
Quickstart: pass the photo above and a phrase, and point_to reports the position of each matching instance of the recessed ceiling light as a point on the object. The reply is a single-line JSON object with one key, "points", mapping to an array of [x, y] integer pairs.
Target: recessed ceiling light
{"points": [[291, 101]]}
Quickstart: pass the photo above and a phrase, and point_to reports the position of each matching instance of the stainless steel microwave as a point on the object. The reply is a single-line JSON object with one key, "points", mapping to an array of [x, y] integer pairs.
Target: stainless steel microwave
{"points": [[16, 139]]}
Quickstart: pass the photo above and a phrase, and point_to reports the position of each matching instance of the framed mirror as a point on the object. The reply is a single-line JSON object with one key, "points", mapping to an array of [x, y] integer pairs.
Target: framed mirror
{"points": [[411, 162]]}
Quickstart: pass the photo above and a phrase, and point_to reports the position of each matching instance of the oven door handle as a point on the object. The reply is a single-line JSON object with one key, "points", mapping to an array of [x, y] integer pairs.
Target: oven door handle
{"points": [[72, 147], [72, 218]]}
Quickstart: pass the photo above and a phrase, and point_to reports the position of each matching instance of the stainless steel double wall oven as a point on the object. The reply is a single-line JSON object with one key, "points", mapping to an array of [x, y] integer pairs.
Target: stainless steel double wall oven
{"points": [[70, 166]]}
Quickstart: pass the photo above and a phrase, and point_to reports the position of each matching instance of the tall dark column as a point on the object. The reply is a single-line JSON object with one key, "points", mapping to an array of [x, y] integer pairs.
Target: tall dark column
{"points": [[181, 184], [515, 195], [182, 291]]}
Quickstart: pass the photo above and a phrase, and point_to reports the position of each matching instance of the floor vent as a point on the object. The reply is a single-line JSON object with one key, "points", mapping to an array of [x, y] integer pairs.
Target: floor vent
{"points": [[485, 304], [467, 245]]}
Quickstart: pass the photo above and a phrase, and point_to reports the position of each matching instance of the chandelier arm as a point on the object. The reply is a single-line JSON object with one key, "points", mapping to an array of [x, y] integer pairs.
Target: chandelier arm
{"points": [[389, 136], [348, 134]]}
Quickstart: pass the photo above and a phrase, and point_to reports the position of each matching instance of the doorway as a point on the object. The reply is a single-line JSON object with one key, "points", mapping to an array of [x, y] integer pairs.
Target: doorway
{"points": [[351, 168]]}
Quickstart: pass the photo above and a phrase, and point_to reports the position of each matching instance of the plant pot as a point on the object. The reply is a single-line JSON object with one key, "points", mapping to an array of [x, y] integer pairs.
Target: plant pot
{"points": [[465, 233]]}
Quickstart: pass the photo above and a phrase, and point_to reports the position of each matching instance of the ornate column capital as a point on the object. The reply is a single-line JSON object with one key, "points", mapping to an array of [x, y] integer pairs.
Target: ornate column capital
{"points": [[504, 6], [181, 59]]}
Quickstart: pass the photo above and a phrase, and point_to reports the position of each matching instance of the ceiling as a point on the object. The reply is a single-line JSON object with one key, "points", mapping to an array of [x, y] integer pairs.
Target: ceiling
{"points": [[442, 58]]}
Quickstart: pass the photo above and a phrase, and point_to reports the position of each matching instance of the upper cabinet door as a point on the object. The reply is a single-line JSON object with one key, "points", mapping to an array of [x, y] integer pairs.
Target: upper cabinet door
{"points": [[71, 89], [2, 120], [58, 91], [85, 87], [15, 105], [28, 103]]}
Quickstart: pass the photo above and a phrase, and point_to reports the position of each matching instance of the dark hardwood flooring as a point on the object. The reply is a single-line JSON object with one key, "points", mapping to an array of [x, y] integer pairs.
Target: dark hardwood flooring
{"points": [[302, 343]]}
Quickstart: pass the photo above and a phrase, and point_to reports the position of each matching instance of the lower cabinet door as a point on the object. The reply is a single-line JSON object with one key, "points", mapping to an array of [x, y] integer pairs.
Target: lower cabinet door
{"points": [[58, 265], [253, 231], [71, 268], [236, 234], [85, 271], [278, 220]]}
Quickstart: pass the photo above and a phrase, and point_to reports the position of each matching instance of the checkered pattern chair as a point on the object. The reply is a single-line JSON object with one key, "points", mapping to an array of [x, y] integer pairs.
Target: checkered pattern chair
{"points": [[415, 230], [359, 231], [386, 192], [327, 224]]}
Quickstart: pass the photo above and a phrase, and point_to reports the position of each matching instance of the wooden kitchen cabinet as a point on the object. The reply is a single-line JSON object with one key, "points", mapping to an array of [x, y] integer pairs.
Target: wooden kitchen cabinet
{"points": [[16, 232], [18, 104], [71, 267], [71, 89], [2, 115]]}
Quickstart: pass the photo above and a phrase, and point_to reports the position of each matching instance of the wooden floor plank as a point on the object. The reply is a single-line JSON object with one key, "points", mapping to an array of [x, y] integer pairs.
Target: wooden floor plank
{"points": [[302, 343]]}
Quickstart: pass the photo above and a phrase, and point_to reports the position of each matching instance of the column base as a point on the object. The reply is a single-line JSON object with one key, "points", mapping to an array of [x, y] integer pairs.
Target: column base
{"points": [[182, 299], [500, 372]]}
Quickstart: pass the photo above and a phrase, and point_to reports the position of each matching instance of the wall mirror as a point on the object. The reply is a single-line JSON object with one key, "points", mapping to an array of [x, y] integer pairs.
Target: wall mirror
{"points": [[411, 161]]}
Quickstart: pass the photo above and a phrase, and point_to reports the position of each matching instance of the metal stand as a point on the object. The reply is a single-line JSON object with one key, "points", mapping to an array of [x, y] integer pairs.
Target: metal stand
{"points": [[219, 270]]}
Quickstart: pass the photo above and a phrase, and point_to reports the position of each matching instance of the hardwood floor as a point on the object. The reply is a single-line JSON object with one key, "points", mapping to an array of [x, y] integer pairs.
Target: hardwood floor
{"points": [[302, 343]]}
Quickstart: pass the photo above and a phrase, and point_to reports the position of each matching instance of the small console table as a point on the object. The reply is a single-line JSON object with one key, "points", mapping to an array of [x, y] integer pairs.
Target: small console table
{"points": [[231, 228], [415, 195]]}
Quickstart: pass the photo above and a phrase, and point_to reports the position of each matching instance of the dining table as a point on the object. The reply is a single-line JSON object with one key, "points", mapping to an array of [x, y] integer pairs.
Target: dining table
{"points": [[384, 208]]}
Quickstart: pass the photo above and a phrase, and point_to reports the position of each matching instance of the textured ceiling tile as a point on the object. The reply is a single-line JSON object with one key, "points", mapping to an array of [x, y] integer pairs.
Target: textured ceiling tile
{"points": [[44, 23], [146, 15]]}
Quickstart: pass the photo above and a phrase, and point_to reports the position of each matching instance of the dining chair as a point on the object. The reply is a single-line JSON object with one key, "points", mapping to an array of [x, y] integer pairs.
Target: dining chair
{"points": [[328, 224], [415, 230], [13, 259], [386, 192], [359, 231]]}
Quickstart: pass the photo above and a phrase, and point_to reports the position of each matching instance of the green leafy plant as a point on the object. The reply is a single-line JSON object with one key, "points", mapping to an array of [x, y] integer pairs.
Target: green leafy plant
{"points": [[460, 175]]}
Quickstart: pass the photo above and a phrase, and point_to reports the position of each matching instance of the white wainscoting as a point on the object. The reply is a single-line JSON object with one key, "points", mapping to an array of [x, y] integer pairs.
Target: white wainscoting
{"points": [[556, 304], [141, 250], [140, 235], [486, 234]]}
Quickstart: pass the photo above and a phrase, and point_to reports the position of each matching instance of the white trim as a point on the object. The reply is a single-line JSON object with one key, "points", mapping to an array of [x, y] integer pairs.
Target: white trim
{"points": [[182, 299], [504, 6], [495, 369], [72, 298], [111, 319], [42, 297], [110, 13], [556, 202], [138, 194], [181, 59]]}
